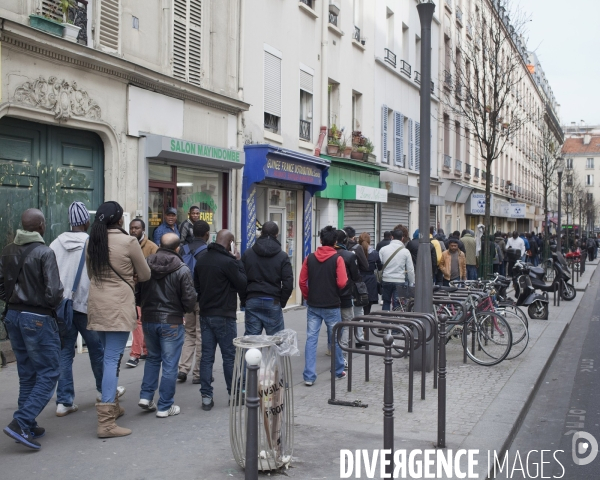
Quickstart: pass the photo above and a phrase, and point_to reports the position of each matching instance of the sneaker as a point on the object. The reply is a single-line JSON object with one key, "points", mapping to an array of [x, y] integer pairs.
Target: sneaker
{"points": [[120, 392], [328, 352], [174, 410], [133, 362], [181, 377], [196, 381], [207, 403], [147, 405], [345, 364], [308, 383], [341, 377], [143, 357], [62, 410], [37, 432], [14, 431]]}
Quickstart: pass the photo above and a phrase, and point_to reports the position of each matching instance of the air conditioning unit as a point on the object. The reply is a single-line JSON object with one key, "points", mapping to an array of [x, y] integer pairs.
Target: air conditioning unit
{"points": [[334, 7]]}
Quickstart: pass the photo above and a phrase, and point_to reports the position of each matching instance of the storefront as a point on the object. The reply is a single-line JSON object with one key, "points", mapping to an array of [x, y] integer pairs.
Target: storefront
{"points": [[183, 174], [278, 186]]}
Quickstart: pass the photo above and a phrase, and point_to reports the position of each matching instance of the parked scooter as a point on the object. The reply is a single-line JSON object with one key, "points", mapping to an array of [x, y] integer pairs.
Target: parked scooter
{"points": [[561, 274], [537, 304]]}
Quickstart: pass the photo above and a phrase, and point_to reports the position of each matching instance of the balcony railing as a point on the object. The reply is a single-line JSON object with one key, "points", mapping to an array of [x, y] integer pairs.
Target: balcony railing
{"points": [[333, 19], [390, 57], [459, 15], [459, 90], [405, 67], [449, 3], [417, 77], [470, 30], [447, 79], [458, 166], [305, 130], [356, 35], [271, 122], [308, 3], [467, 169], [447, 161]]}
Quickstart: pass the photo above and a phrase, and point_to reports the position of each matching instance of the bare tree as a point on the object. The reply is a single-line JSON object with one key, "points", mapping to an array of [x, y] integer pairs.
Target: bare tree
{"points": [[572, 192], [488, 74]]}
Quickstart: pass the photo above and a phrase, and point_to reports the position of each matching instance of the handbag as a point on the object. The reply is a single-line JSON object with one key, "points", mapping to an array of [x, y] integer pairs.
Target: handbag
{"points": [[360, 294], [64, 311], [379, 273], [9, 289]]}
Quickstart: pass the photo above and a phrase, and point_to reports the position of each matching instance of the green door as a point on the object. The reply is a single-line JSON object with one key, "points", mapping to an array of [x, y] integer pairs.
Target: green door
{"points": [[47, 167]]}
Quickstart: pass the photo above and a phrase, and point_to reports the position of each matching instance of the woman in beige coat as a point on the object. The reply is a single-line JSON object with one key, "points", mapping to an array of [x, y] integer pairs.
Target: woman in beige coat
{"points": [[114, 263]]}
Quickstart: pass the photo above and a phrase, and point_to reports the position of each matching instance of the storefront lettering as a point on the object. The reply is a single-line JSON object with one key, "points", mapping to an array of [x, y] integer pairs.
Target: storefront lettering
{"points": [[293, 171], [192, 148]]}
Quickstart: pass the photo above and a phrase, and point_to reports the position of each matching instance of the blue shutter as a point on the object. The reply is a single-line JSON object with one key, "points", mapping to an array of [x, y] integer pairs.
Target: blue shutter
{"points": [[411, 157], [417, 146], [384, 133], [398, 139]]}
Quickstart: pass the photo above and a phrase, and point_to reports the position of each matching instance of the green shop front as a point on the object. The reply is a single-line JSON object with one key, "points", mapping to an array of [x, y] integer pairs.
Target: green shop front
{"points": [[182, 174], [353, 197]]}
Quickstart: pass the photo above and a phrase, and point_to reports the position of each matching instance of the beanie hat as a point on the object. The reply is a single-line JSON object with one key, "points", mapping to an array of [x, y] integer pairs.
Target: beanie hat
{"points": [[78, 214]]}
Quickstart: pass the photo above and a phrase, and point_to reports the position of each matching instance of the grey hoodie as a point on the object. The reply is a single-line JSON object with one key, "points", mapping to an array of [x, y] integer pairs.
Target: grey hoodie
{"points": [[68, 248]]}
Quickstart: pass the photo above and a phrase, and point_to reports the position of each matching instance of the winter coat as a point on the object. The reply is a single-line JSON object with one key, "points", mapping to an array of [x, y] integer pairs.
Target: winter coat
{"points": [[186, 232], [38, 288], [111, 302], [446, 266], [413, 248], [360, 254], [470, 249], [170, 293], [148, 246], [268, 271], [322, 276], [368, 276], [351, 263], [400, 268], [68, 248], [219, 278], [502, 248]]}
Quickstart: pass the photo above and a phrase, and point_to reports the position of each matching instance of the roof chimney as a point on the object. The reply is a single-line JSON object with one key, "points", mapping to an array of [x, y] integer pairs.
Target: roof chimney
{"points": [[587, 139]]}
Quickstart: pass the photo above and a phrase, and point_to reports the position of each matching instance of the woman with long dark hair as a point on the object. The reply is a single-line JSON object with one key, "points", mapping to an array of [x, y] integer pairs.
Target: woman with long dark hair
{"points": [[368, 275], [114, 263]]}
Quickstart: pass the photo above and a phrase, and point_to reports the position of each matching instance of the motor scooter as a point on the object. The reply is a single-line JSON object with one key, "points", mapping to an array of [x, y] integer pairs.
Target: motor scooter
{"points": [[537, 304], [561, 274]]}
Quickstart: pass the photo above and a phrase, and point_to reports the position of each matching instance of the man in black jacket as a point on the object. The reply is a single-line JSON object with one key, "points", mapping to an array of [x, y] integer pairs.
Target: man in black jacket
{"points": [[270, 283], [165, 298], [219, 276], [192, 344], [413, 248], [30, 285]]}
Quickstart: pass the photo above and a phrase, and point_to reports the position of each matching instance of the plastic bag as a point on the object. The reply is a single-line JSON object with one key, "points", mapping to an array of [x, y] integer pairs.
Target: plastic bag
{"points": [[285, 342]]}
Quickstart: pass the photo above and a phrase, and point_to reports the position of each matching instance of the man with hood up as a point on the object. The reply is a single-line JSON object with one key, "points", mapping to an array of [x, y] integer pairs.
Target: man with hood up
{"points": [[270, 283], [165, 298]]}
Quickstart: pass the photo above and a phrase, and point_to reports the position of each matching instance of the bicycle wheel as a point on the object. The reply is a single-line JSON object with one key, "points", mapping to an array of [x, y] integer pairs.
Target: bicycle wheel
{"points": [[515, 310], [520, 334], [488, 338]]}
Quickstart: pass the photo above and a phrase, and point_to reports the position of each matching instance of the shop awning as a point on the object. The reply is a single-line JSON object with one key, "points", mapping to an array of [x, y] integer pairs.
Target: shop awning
{"points": [[455, 192], [158, 146], [354, 163]]}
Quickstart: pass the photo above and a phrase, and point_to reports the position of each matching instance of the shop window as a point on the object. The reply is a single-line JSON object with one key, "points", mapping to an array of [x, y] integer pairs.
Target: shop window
{"points": [[160, 173], [202, 189]]}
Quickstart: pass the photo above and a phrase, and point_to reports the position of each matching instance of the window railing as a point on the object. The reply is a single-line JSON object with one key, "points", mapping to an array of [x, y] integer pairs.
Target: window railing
{"points": [[476, 173], [405, 67], [459, 15], [449, 3], [308, 3], [458, 166], [390, 57], [356, 35], [417, 77], [467, 169], [447, 79], [447, 161], [305, 130], [459, 89], [333, 19], [470, 30], [271, 123]]}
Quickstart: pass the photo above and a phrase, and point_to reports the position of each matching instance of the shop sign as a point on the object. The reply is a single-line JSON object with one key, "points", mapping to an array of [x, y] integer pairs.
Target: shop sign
{"points": [[478, 204], [370, 194], [292, 171], [205, 202], [208, 151], [518, 210]]}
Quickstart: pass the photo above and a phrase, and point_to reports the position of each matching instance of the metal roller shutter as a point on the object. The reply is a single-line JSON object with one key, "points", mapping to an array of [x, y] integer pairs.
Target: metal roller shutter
{"points": [[394, 212], [360, 216]]}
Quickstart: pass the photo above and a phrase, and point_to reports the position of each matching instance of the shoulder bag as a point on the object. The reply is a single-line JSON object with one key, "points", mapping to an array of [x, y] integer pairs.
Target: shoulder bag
{"points": [[64, 311], [380, 272]]}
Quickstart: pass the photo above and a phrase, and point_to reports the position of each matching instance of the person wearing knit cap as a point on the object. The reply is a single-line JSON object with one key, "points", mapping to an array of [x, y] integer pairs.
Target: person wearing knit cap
{"points": [[68, 248]]}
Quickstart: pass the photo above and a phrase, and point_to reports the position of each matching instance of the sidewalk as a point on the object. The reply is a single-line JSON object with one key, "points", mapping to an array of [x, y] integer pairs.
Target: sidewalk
{"points": [[484, 408]]}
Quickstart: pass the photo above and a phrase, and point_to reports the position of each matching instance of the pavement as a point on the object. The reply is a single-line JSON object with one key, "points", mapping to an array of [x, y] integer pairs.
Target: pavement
{"points": [[485, 406]]}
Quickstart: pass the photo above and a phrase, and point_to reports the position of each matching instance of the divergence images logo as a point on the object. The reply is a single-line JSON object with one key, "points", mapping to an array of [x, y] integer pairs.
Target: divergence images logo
{"points": [[481, 203], [584, 444]]}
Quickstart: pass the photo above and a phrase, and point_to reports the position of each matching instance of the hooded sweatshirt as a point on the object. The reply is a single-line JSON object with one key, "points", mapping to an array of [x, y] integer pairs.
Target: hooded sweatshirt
{"points": [[325, 273], [68, 248]]}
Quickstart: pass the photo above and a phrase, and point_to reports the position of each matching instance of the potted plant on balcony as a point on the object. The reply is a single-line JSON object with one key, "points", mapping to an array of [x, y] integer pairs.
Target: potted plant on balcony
{"points": [[345, 147], [368, 151], [333, 146], [71, 31], [334, 132], [46, 23]]}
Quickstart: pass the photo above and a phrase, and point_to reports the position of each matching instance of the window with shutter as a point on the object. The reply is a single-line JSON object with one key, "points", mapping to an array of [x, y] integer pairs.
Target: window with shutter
{"points": [[398, 139], [384, 133], [417, 146], [306, 105], [411, 157], [272, 100], [51, 9], [187, 41], [108, 36]]}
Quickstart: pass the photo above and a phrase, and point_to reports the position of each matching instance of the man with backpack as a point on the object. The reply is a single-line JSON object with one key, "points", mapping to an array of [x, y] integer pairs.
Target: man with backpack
{"points": [[270, 283], [137, 229], [192, 343], [31, 289]]}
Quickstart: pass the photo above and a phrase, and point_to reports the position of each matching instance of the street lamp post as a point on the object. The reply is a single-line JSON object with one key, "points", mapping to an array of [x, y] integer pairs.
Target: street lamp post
{"points": [[424, 277], [560, 169], [580, 224]]}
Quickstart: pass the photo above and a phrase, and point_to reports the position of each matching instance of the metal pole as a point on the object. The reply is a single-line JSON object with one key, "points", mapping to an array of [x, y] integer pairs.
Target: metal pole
{"points": [[253, 358], [388, 404], [580, 225], [424, 277], [559, 226], [442, 385]]}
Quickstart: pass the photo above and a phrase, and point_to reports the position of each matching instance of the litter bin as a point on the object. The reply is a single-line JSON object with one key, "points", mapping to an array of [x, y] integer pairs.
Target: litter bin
{"points": [[275, 391]]}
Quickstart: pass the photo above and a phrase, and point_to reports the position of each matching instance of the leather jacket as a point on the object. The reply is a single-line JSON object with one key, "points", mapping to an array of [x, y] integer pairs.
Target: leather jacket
{"points": [[38, 286], [169, 293]]}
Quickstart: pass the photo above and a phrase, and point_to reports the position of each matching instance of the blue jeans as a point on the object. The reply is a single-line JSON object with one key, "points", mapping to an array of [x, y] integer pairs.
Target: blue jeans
{"points": [[314, 318], [471, 272], [65, 391], [262, 313], [389, 295], [36, 345], [114, 346], [216, 330], [164, 343]]}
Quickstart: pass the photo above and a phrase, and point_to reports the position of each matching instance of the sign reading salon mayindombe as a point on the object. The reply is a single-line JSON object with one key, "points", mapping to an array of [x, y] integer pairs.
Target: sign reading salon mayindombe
{"points": [[216, 153]]}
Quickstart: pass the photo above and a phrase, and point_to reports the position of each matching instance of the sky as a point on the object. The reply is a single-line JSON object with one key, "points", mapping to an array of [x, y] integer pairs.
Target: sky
{"points": [[566, 38]]}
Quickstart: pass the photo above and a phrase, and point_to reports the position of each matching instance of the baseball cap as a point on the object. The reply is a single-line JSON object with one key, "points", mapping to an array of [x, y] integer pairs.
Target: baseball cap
{"points": [[171, 210]]}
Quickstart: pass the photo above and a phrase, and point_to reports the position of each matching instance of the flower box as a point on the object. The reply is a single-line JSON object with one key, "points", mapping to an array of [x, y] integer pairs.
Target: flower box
{"points": [[46, 25]]}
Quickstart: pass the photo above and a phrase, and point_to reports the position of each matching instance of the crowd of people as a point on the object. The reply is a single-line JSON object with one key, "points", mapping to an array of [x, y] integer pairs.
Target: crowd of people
{"points": [[177, 295]]}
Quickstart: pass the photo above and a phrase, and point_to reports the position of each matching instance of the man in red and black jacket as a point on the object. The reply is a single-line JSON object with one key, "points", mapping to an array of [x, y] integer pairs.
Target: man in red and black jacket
{"points": [[322, 277]]}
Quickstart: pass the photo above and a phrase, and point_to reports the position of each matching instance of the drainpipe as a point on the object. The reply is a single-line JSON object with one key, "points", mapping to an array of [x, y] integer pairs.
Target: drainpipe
{"points": [[324, 76], [237, 174]]}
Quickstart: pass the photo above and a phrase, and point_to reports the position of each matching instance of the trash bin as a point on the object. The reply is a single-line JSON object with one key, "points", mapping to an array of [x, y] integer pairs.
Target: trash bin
{"points": [[275, 391]]}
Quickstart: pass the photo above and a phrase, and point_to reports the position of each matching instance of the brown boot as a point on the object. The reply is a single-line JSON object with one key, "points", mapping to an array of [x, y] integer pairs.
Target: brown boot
{"points": [[107, 427], [118, 408]]}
